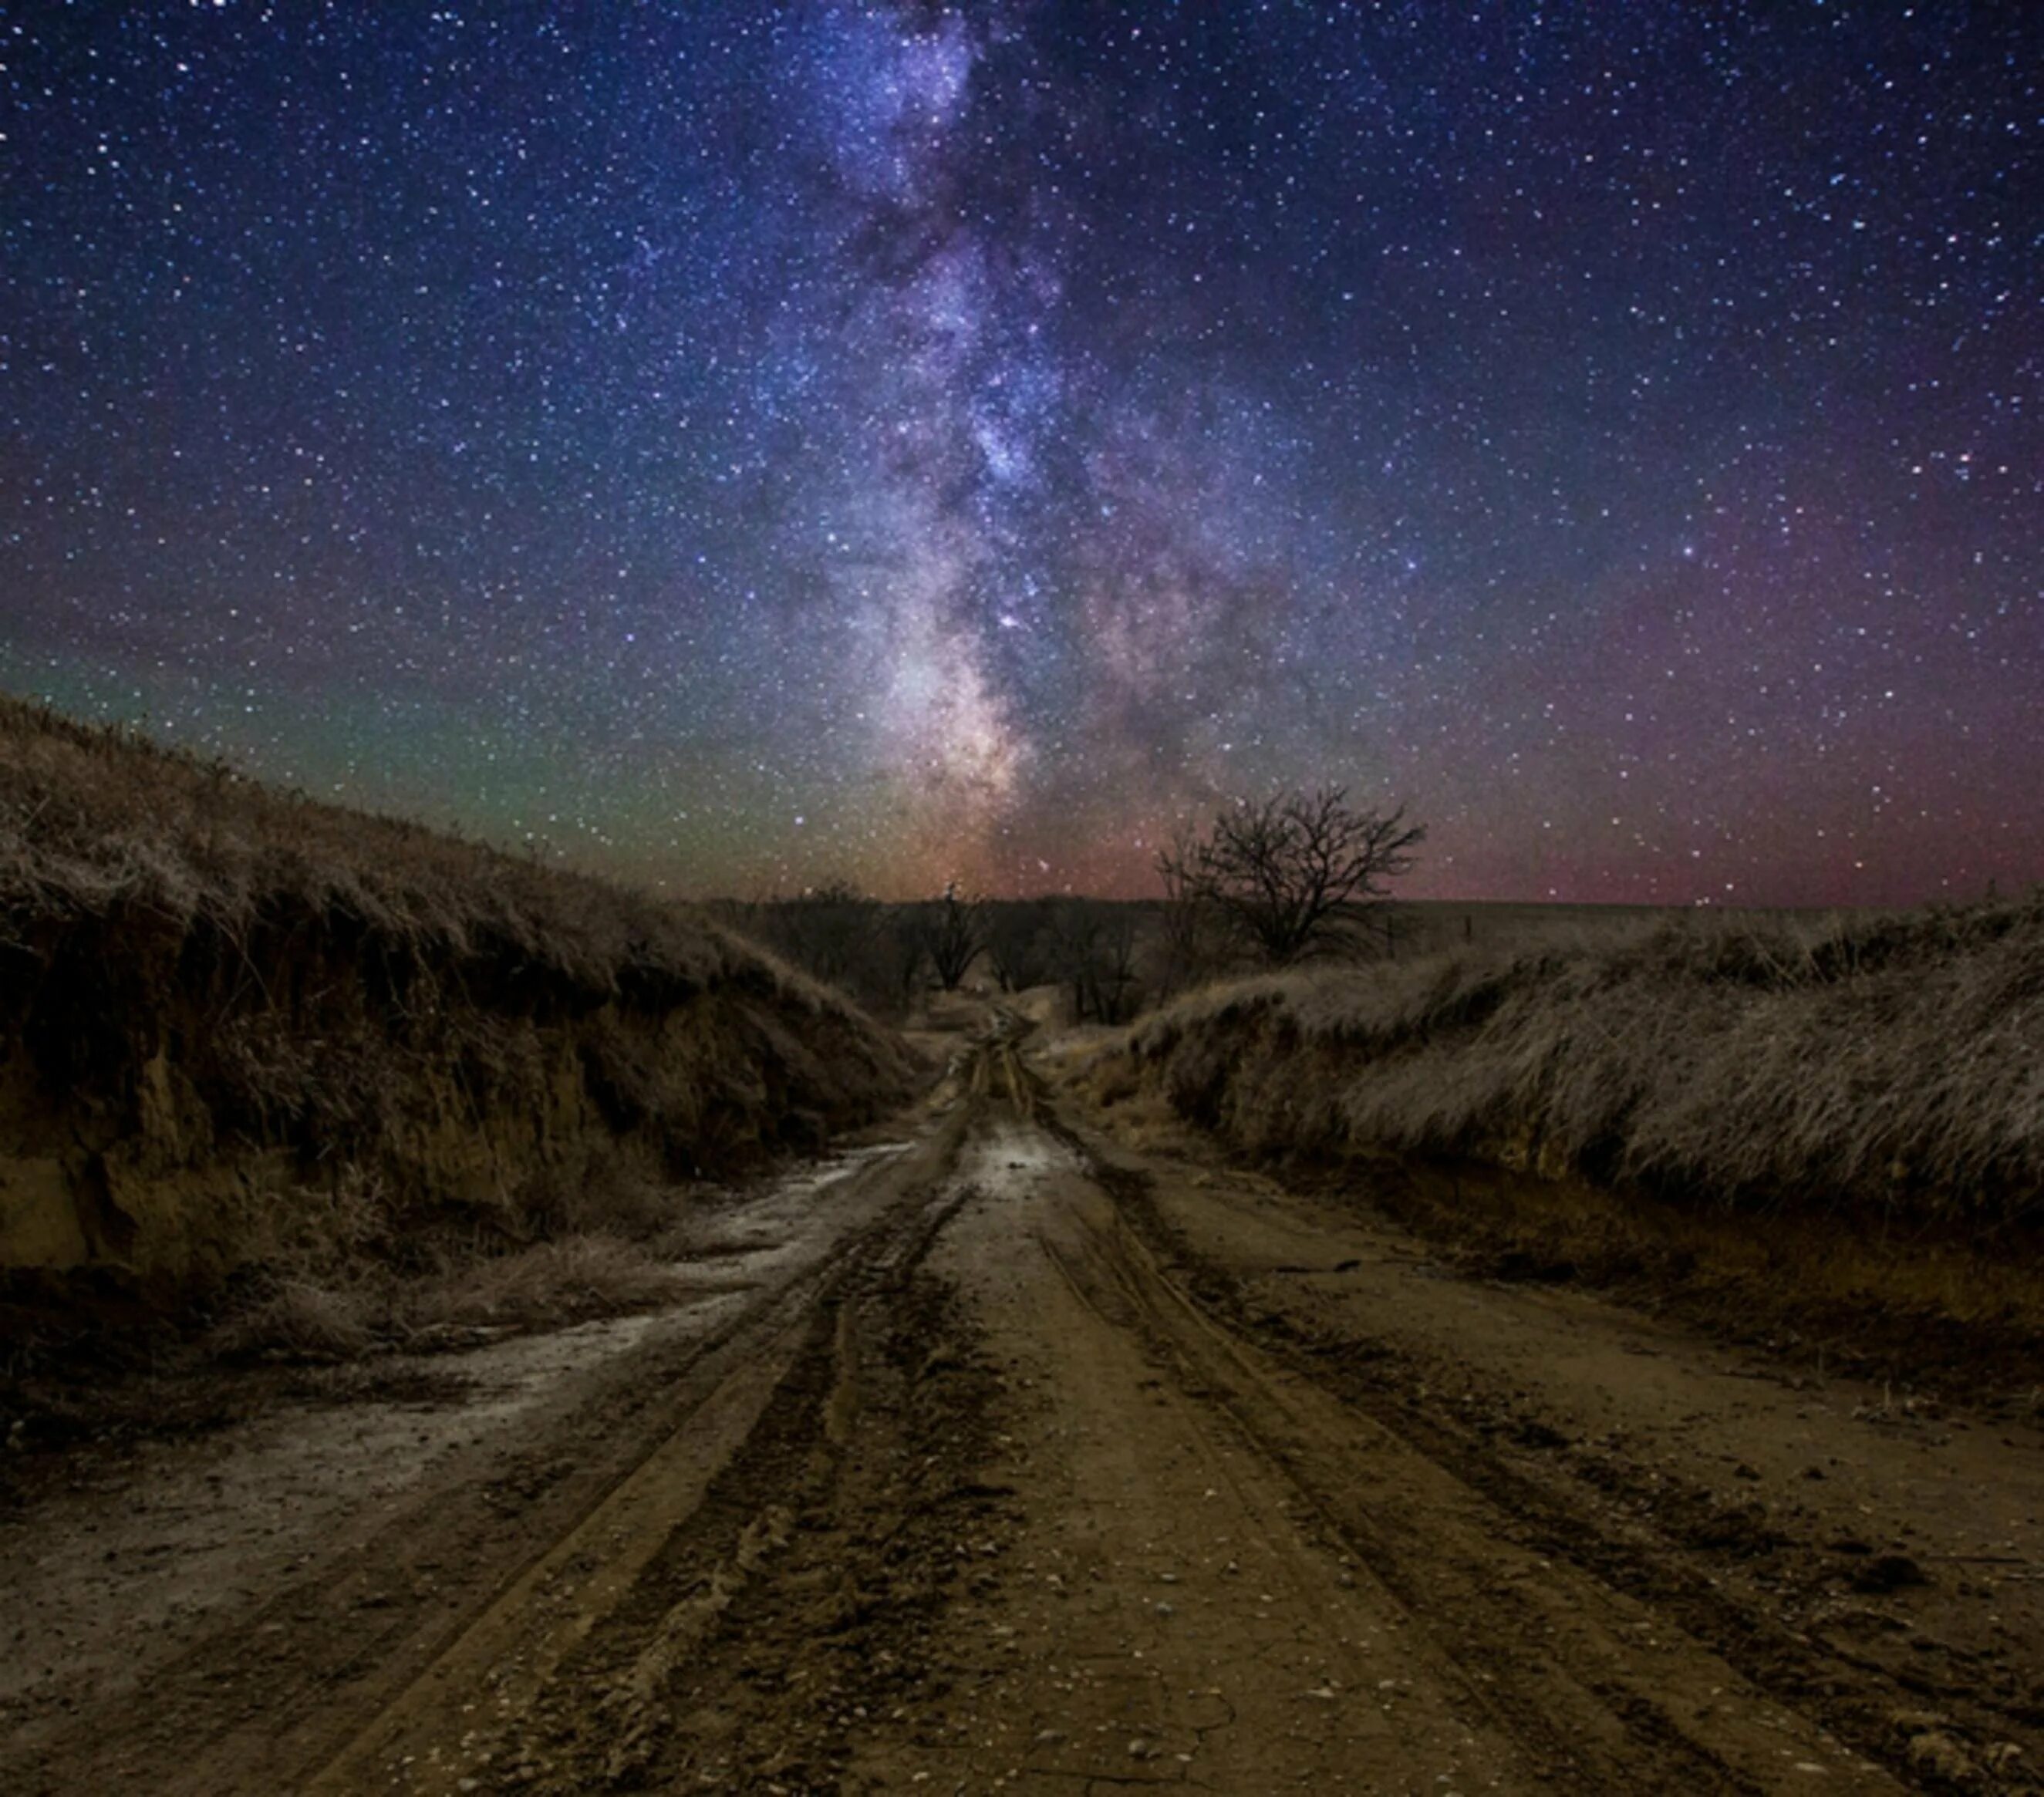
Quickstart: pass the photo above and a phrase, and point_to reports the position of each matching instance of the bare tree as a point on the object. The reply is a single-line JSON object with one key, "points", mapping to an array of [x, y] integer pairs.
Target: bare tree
{"points": [[901, 945], [1092, 942], [956, 936], [1289, 873], [1018, 945], [1115, 991], [1186, 952]]}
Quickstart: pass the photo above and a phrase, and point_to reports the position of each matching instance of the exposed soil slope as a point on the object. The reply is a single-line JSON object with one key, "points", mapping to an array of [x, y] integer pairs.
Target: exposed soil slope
{"points": [[238, 1027]]}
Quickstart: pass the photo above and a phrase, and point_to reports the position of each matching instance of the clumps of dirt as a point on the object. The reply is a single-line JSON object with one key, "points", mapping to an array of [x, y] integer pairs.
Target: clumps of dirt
{"points": [[796, 1607]]}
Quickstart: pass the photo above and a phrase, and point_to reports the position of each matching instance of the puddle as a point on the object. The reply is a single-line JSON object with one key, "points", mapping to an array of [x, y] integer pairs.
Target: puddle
{"points": [[767, 1233], [1010, 1157]]}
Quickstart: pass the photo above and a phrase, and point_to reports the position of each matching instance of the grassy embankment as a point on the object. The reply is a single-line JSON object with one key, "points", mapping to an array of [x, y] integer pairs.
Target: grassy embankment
{"points": [[1829, 1124], [260, 1058]]}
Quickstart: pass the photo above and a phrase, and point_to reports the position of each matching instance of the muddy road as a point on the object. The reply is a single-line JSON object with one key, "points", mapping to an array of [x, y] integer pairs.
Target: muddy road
{"points": [[1006, 1457]]}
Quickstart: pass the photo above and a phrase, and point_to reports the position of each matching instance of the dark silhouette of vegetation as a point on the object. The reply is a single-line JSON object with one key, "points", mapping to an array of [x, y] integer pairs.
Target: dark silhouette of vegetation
{"points": [[955, 935], [874, 952], [1092, 944], [896, 958], [1103, 953], [1291, 873], [1018, 943], [1187, 952], [828, 932]]}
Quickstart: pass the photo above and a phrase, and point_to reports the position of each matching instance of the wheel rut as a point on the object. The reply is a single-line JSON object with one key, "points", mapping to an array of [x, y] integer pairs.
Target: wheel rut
{"points": [[733, 1545], [1012, 1490], [1551, 1657]]}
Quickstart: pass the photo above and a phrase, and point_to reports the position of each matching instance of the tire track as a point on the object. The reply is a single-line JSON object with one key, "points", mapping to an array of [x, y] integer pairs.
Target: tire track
{"points": [[1552, 1654], [559, 1677], [1674, 1564]]}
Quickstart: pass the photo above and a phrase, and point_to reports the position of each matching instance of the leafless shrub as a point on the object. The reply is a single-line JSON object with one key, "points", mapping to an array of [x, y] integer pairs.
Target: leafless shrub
{"points": [[1289, 873], [1019, 942], [1092, 952], [1188, 951], [952, 935], [900, 955]]}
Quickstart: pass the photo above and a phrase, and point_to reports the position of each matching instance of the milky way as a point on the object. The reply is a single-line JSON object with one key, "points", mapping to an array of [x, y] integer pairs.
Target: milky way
{"points": [[739, 447]]}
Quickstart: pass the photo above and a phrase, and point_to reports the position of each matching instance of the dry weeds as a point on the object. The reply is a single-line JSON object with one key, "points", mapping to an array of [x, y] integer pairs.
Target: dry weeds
{"points": [[373, 1310], [290, 1049], [1889, 1069], [98, 821]]}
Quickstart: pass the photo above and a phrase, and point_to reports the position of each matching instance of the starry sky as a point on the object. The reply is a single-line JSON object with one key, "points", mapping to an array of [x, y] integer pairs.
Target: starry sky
{"points": [[736, 446]]}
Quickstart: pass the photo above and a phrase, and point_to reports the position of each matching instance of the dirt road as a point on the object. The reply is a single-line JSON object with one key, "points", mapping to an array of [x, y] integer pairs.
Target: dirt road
{"points": [[1006, 1458]]}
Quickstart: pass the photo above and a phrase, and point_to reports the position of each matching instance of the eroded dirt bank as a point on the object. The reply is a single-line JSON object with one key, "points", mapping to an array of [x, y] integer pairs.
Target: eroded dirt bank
{"points": [[247, 1039], [1029, 1461]]}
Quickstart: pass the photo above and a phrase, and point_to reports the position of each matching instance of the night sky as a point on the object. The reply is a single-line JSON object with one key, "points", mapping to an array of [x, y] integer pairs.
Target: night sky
{"points": [[738, 446]]}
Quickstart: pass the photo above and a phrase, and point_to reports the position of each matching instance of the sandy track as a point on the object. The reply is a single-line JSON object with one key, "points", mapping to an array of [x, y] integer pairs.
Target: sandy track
{"points": [[1048, 1466], [1228, 1577]]}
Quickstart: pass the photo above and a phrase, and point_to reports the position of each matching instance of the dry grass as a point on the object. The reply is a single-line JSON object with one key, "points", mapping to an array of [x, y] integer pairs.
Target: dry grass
{"points": [[1824, 1134], [302, 1320], [269, 1043], [98, 822], [1888, 1068], [343, 1284]]}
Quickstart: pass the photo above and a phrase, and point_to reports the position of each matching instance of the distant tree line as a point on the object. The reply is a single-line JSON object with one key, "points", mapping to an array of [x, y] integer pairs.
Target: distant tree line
{"points": [[886, 955], [1270, 883]]}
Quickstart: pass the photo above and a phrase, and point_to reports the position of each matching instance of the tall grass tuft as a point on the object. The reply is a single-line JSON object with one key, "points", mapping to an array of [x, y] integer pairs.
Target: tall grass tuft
{"points": [[1888, 1068], [98, 822], [242, 1032]]}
